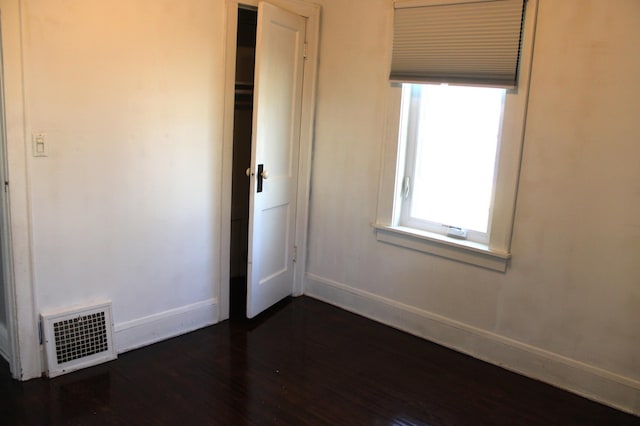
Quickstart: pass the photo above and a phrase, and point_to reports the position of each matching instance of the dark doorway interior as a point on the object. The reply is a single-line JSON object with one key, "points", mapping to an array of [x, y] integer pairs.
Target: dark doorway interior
{"points": [[242, 131]]}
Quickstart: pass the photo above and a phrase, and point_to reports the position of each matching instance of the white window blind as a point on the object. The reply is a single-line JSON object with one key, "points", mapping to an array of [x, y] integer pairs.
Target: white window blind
{"points": [[463, 42]]}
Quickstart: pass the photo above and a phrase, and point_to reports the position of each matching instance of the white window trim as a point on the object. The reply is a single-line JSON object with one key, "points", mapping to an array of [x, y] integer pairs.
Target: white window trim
{"points": [[496, 254], [412, 125]]}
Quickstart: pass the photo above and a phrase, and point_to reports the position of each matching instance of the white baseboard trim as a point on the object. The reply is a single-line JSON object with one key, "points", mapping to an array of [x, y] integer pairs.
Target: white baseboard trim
{"points": [[4, 343], [591, 382], [154, 328]]}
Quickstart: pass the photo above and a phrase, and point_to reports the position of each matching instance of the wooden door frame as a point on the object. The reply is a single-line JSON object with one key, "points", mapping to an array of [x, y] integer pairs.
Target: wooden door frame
{"points": [[312, 13], [23, 322], [8, 284]]}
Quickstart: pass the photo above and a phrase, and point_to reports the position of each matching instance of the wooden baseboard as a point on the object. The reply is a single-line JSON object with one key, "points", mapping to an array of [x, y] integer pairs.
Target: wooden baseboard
{"points": [[585, 380], [154, 328]]}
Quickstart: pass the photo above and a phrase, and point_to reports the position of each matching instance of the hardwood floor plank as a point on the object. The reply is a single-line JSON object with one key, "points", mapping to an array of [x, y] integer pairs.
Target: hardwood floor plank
{"points": [[302, 363]]}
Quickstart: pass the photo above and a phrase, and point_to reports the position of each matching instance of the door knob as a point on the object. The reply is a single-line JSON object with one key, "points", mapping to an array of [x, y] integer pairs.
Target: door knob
{"points": [[248, 171], [264, 174]]}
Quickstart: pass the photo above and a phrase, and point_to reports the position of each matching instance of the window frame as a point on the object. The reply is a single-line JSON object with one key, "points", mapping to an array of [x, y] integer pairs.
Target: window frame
{"points": [[495, 254], [411, 110]]}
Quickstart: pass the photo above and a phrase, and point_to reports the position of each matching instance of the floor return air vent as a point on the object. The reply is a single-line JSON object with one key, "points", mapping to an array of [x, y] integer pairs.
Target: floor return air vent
{"points": [[76, 338]]}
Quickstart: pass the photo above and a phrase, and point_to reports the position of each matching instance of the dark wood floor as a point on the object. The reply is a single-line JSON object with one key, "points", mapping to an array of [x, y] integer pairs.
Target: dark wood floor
{"points": [[304, 363]]}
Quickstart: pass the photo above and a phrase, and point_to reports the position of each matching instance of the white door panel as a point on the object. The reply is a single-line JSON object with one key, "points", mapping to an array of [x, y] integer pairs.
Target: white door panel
{"points": [[276, 134]]}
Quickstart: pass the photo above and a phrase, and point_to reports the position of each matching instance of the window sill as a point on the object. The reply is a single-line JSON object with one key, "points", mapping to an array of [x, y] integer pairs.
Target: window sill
{"points": [[440, 245]]}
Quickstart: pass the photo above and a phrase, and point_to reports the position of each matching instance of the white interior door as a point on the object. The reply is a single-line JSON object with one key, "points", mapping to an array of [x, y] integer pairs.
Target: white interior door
{"points": [[274, 158]]}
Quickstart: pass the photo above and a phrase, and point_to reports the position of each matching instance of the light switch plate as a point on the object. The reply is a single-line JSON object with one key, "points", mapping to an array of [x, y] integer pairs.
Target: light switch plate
{"points": [[39, 144]]}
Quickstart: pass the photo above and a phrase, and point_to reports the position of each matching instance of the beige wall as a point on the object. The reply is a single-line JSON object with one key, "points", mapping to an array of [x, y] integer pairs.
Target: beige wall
{"points": [[126, 206], [129, 95], [578, 220], [572, 293]]}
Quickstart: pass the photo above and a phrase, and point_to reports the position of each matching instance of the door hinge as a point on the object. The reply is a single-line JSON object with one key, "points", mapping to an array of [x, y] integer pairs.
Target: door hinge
{"points": [[306, 50], [40, 332], [295, 253], [6, 186]]}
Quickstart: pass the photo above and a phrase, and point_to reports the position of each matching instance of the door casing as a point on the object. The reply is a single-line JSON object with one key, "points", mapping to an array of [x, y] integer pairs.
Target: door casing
{"points": [[7, 283], [22, 324], [312, 13]]}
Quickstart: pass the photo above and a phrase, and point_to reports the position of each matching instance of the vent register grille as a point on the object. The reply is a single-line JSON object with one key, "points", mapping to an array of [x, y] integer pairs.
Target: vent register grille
{"points": [[78, 338]]}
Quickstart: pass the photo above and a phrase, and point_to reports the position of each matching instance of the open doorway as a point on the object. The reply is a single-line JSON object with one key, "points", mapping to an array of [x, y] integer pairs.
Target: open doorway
{"points": [[242, 134], [280, 106]]}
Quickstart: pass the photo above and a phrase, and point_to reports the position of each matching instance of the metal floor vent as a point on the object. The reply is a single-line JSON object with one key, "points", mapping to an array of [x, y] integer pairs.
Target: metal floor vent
{"points": [[78, 338]]}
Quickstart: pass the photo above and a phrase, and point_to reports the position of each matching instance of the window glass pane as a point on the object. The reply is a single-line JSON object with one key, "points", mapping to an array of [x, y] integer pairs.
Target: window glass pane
{"points": [[457, 136]]}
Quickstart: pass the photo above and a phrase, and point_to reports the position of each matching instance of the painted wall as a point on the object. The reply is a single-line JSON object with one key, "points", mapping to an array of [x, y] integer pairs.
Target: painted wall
{"points": [[126, 205], [567, 311]]}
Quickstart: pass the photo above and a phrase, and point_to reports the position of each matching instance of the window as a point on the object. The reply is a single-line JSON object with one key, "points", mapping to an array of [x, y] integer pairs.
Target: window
{"points": [[454, 140], [452, 135]]}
